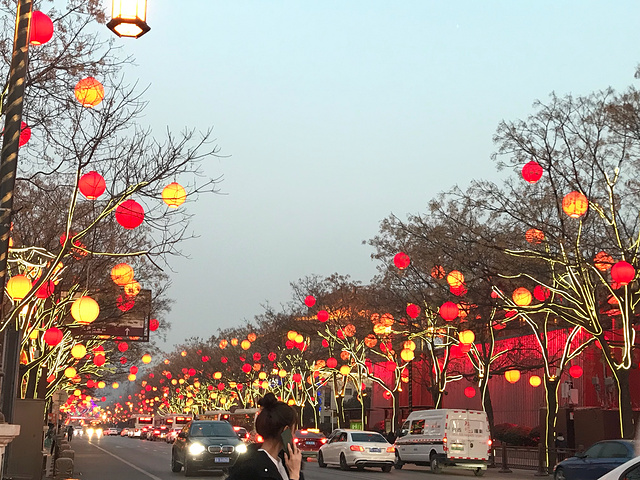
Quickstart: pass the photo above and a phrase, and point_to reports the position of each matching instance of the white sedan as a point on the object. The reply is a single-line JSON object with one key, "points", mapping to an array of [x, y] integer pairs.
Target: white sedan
{"points": [[355, 448], [626, 471]]}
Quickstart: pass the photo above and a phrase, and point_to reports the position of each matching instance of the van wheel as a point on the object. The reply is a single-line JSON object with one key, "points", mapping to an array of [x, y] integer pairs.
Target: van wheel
{"points": [[435, 464], [399, 463], [478, 472], [343, 462], [321, 463]]}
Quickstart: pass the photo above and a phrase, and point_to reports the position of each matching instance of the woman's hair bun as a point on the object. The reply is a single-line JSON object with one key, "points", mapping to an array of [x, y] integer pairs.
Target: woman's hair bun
{"points": [[268, 401]]}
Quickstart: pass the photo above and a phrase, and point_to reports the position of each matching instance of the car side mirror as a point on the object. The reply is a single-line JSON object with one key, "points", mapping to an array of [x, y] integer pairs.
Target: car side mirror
{"points": [[182, 435]]}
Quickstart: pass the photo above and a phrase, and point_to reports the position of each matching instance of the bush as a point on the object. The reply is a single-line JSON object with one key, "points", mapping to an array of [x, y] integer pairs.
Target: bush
{"points": [[518, 435]]}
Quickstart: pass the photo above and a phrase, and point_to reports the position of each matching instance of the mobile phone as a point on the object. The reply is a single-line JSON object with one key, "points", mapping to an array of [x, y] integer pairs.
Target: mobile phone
{"points": [[287, 439]]}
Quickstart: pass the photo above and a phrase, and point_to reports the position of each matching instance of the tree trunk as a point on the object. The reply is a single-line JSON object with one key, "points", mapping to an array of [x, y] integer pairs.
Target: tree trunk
{"points": [[487, 406], [624, 403], [551, 388]]}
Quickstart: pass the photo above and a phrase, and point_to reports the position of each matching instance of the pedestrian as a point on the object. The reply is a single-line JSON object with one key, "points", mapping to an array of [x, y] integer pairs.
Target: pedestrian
{"points": [[561, 445], [272, 460], [391, 437], [69, 433]]}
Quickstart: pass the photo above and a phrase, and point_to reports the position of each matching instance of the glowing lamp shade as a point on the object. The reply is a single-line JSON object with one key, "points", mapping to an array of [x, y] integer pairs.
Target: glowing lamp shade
{"points": [[535, 381], [455, 279], [575, 371], [534, 236], [332, 362], [18, 287], [310, 301], [413, 310], [345, 370], [85, 310], [153, 324], [92, 185], [132, 289], [89, 92], [245, 345], [174, 195], [70, 372], [575, 204], [532, 171], [41, 28], [401, 260], [448, 311], [466, 337], [53, 336], [407, 354], [122, 274], [130, 214], [129, 18], [512, 376], [541, 293], [99, 360], [146, 359], [323, 315], [623, 273], [469, 392], [78, 351], [603, 261]]}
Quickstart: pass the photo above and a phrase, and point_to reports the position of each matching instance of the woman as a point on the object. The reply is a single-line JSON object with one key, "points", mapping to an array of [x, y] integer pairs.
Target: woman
{"points": [[271, 461]]}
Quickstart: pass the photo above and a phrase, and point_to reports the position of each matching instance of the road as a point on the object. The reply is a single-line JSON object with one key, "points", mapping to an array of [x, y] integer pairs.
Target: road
{"points": [[124, 458]]}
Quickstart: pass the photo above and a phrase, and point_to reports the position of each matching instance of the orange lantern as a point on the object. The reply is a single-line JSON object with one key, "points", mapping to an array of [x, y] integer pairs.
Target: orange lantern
{"points": [[85, 310], [575, 204], [132, 289], [522, 297], [245, 345], [534, 236], [252, 337], [535, 381], [603, 261], [234, 342], [115, 385], [438, 272], [223, 344], [122, 274], [407, 354], [370, 341], [78, 351], [174, 195], [18, 287], [455, 279], [89, 92], [512, 376], [409, 344]]}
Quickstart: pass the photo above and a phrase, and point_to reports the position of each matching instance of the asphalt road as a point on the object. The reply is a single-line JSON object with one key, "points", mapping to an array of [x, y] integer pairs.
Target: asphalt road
{"points": [[111, 458]]}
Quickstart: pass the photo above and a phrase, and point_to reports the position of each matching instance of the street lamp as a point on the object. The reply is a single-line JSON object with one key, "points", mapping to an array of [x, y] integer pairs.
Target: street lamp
{"points": [[129, 18]]}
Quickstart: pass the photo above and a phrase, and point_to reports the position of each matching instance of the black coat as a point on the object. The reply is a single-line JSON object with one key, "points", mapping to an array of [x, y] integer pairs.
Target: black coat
{"points": [[255, 464]]}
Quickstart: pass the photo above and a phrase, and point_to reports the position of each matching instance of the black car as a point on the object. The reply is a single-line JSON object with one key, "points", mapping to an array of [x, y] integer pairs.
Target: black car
{"points": [[206, 445]]}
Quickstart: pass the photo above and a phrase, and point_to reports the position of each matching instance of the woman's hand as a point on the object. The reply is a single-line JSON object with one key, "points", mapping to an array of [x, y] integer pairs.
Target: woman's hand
{"points": [[293, 461]]}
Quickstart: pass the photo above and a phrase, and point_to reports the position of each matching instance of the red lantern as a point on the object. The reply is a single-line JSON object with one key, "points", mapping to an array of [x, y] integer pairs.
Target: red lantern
{"points": [[323, 315], [90, 383], [53, 336], [623, 273], [45, 290], [532, 171], [458, 290], [224, 359], [297, 377], [325, 343], [123, 347], [575, 371], [153, 324], [387, 394], [41, 28], [401, 260], [99, 360], [246, 368], [272, 357], [310, 301], [541, 293], [192, 372], [448, 311], [92, 185], [125, 303], [123, 360], [332, 362], [130, 214], [25, 134], [133, 369], [256, 357], [469, 392], [413, 310]]}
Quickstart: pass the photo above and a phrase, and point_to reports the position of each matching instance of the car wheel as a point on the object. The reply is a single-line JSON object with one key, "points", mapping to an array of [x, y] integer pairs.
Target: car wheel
{"points": [[360, 467], [399, 463], [321, 463], [478, 472], [343, 462], [175, 466], [435, 464], [559, 474], [386, 468], [189, 471]]}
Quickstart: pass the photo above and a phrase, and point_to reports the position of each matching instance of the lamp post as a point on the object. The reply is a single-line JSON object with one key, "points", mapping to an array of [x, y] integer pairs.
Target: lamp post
{"points": [[129, 18]]}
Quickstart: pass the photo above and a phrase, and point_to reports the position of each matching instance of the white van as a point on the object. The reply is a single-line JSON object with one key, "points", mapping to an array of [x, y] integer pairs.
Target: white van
{"points": [[445, 438]]}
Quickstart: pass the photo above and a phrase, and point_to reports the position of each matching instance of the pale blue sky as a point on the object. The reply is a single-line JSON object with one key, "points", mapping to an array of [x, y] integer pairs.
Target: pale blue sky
{"points": [[337, 113]]}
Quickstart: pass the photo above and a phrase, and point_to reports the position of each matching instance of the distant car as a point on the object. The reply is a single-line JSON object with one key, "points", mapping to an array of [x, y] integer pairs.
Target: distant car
{"points": [[242, 433], [158, 433], [172, 434], [124, 432], [111, 431], [309, 442], [206, 445], [144, 432], [627, 471], [596, 461], [356, 448]]}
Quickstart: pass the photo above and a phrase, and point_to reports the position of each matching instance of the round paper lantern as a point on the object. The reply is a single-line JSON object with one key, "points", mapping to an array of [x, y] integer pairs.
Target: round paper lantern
{"points": [[25, 134], [133, 369], [532, 171], [603, 261], [146, 358], [455, 278], [115, 385], [623, 273], [575, 204], [46, 290], [469, 392], [448, 311], [401, 260], [123, 347], [466, 337], [252, 337], [459, 290], [512, 376], [130, 214], [153, 324], [122, 274], [386, 394], [407, 355], [223, 344], [345, 370], [323, 315], [174, 195], [332, 362], [245, 345], [92, 185], [534, 236], [131, 377], [575, 371], [413, 310], [192, 372], [299, 339], [53, 336], [85, 310], [78, 351], [101, 384], [310, 301], [70, 372], [272, 357], [246, 368], [522, 297], [234, 342], [438, 272], [40, 29], [18, 287], [125, 303], [410, 344], [89, 92], [132, 289], [99, 360], [535, 381], [541, 293]]}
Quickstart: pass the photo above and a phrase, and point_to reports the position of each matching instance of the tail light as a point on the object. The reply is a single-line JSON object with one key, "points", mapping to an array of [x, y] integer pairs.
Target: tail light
{"points": [[259, 439], [295, 440], [391, 450], [444, 443], [323, 441], [236, 429], [156, 432], [356, 448]]}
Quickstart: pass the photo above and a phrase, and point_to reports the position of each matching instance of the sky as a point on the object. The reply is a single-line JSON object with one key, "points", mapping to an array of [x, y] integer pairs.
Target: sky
{"points": [[334, 114]]}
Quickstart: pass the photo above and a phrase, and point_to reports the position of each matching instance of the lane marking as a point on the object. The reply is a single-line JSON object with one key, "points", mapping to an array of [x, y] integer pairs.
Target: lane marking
{"points": [[150, 475]]}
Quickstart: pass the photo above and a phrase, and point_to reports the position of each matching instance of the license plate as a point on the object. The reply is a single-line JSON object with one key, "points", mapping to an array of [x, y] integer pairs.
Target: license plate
{"points": [[375, 450], [457, 447], [222, 460], [310, 443]]}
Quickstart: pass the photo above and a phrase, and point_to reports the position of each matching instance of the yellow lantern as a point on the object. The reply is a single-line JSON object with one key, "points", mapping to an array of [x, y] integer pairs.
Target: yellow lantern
{"points": [[183, 353], [522, 297], [132, 289], [132, 377], [85, 310], [282, 373], [291, 335], [77, 392], [245, 345], [262, 375], [535, 381], [298, 339], [101, 384], [217, 375], [115, 385], [78, 351], [512, 376], [234, 342], [129, 18], [70, 372], [410, 344], [146, 358], [291, 402], [345, 370], [174, 195], [33, 335], [455, 279], [122, 274], [407, 354], [466, 337], [252, 337], [174, 381], [223, 344], [89, 92], [18, 287]]}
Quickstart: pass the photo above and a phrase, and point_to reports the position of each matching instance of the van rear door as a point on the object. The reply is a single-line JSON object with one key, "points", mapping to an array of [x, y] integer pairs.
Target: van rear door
{"points": [[457, 434]]}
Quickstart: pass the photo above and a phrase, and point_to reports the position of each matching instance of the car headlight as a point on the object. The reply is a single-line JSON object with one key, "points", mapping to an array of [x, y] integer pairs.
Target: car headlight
{"points": [[241, 448], [196, 448], [99, 432]]}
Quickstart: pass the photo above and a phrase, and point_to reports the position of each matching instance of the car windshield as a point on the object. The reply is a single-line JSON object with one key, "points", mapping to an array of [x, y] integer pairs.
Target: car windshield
{"points": [[222, 429], [307, 434], [368, 437]]}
